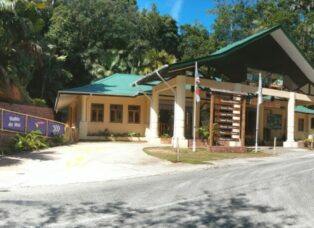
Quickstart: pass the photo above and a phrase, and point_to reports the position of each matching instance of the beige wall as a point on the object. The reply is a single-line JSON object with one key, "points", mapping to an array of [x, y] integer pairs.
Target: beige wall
{"points": [[95, 127], [300, 135], [142, 127]]}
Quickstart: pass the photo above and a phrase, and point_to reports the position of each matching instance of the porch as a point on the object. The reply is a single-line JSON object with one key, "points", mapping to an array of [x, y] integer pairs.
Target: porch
{"points": [[230, 89]]}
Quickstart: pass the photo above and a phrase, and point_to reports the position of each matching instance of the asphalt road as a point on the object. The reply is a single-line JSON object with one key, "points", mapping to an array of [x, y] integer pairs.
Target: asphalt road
{"points": [[274, 193]]}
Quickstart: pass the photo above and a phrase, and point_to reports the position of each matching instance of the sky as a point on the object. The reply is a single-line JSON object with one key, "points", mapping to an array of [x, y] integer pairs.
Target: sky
{"points": [[183, 11]]}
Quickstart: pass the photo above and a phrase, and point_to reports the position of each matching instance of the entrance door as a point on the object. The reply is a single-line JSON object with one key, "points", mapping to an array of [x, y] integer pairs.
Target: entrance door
{"points": [[250, 124], [188, 126]]}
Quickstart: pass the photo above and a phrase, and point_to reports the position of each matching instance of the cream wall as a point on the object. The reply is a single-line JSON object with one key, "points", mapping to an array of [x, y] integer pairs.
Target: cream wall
{"points": [[300, 135], [95, 127]]}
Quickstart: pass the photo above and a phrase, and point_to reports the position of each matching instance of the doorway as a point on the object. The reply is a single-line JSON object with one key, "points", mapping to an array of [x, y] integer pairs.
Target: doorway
{"points": [[250, 125]]}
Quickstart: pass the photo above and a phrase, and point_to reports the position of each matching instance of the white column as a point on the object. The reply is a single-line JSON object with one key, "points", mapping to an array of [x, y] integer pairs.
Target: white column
{"points": [[83, 126], [290, 122], [153, 123], [179, 113]]}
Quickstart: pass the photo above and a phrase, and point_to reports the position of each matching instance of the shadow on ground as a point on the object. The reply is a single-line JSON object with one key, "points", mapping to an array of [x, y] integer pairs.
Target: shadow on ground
{"points": [[208, 212], [35, 155], [18, 158], [8, 161]]}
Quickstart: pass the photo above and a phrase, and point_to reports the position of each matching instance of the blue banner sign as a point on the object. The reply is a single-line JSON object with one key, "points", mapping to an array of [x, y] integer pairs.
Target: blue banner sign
{"points": [[55, 128], [38, 124], [13, 121]]}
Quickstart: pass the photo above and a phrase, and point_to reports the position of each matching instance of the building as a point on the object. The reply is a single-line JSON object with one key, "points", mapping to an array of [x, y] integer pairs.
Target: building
{"points": [[162, 102]]}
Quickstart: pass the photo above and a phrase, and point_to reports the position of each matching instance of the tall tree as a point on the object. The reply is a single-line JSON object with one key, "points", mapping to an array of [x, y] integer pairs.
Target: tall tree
{"points": [[195, 41]]}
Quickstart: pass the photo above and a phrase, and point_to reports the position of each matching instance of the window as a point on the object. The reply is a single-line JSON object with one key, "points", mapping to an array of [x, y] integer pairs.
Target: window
{"points": [[312, 123], [301, 125], [97, 113], [116, 113], [134, 113]]}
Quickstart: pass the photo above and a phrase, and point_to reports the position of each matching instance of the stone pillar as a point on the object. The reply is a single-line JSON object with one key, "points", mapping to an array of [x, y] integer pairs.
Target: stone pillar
{"points": [[154, 111], [290, 122], [83, 126], [179, 113]]}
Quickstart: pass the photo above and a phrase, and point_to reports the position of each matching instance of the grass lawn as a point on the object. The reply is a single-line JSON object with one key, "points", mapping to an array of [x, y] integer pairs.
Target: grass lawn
{"points": [[201, 156]]}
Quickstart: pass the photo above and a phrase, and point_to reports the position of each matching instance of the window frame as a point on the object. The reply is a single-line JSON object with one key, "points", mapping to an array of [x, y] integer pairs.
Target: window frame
{"points": [[98, 112], [134, 114], [115, 113]]}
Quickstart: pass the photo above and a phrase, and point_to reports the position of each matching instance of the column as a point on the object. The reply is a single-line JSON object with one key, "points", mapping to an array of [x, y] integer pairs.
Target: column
{"points": [[154, 110], [290, 122], [83, 126], [179, 113]]}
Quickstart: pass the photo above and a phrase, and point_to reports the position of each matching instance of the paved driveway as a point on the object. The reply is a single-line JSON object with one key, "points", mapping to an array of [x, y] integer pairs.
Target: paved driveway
{"points": [[274, 193], [83, 162]]}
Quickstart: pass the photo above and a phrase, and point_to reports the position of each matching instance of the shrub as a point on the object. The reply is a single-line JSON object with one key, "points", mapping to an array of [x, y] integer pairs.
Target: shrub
{"points": [[57, 140], [39, 102], [105, 133], [165, 136], [29, 142], [204, 132], [307, 142], [134, 134]]}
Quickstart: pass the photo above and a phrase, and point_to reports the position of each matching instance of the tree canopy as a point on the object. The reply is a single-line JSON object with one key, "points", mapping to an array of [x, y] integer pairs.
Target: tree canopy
{"points": [[58, 44]]}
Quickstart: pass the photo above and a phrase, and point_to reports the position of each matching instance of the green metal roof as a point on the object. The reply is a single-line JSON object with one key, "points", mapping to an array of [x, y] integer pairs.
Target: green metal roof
{"points": [[114, 85], [304, 109], [227, 49], [167, 69]]}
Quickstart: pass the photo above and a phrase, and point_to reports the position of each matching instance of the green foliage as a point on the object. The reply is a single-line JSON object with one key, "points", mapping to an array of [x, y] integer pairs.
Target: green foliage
{"points": [[57, 140], [195, 41], [155, 59], [29, 142], [204, 132], [47, 47], [166, 136], [39, 102], [134, 134], [107, 133]]}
